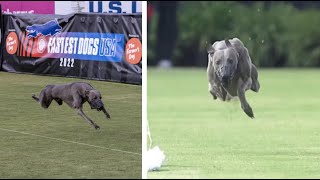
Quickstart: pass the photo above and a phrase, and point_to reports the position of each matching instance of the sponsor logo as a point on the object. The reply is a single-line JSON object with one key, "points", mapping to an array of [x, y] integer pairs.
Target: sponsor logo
{"points": [[42, 43], [133, 51], [12, 43], [49, 28]]}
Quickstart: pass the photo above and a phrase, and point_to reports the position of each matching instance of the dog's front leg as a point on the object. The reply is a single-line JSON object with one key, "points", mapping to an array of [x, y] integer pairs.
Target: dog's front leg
{"points": [[105, 112], [242, 87], [80, 112], [210, 75], [213, 91], [224, 94]]}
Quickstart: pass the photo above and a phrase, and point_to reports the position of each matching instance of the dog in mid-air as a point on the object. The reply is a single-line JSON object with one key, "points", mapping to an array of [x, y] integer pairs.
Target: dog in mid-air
{"points": [[75, 95], [230, 72]]}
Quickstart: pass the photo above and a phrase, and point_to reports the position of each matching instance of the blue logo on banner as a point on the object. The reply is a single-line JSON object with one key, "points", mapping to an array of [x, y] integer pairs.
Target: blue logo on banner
{"points": [[49, 28]]}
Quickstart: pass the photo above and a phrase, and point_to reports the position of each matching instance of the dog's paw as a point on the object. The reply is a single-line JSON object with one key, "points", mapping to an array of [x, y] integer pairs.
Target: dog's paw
{"points": [[250, 114], [248, 111], [108, 116], [213, 95], [96, 127]]}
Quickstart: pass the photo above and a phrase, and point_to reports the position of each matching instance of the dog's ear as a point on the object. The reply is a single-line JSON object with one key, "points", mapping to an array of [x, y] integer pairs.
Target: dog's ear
{"points": [[228, 43], [209, 48]]}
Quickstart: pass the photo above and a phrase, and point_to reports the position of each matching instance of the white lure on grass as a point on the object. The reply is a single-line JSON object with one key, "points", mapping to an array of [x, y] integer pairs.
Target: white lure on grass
{"points": [[155, 158]]}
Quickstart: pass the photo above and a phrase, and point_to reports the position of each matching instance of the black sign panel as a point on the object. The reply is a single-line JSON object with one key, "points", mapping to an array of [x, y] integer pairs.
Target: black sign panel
{"points": [[92, 46]]}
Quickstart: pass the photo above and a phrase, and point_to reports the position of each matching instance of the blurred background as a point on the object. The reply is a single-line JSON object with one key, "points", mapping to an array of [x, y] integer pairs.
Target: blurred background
{"points": [[277, 34], [205, 138]]}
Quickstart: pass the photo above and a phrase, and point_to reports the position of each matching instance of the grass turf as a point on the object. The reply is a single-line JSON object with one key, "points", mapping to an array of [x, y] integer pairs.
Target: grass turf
{"points": [[27, 156], [203, 138]]}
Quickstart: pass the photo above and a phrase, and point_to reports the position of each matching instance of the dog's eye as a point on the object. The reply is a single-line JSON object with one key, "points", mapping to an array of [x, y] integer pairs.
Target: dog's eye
{"points": [[230, 61], [218, 61]]}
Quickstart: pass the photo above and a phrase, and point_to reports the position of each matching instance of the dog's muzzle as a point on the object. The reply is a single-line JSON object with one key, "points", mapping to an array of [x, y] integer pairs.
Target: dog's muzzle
{"points": [[226, 77], [225, 80], [98, 105]]}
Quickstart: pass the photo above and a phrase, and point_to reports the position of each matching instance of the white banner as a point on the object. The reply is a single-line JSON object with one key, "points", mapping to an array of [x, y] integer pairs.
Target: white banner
{"points": [[67, 7]]}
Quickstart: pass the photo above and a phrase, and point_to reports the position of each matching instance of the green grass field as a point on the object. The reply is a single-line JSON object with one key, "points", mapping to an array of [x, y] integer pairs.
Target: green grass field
{"points": [[203, 138], [57, 143]]}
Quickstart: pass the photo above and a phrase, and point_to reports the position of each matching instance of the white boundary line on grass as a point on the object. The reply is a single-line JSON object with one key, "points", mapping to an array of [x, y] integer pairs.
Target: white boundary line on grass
{"points": [[74, 142], [144, 89]]}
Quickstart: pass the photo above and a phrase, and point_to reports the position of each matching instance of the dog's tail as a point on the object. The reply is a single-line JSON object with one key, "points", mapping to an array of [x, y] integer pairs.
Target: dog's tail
{"points": [[35, 97]]}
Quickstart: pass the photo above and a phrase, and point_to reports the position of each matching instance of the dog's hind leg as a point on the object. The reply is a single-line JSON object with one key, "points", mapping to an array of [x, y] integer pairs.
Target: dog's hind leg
{"points": [[242, 87], [59, 101], [255, 86], [80, 112], [45, 103], [44, 100]]}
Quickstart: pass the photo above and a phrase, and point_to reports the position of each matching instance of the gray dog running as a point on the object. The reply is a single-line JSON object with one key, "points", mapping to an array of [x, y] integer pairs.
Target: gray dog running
{"points": [[75, 95], [231, 72]]}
